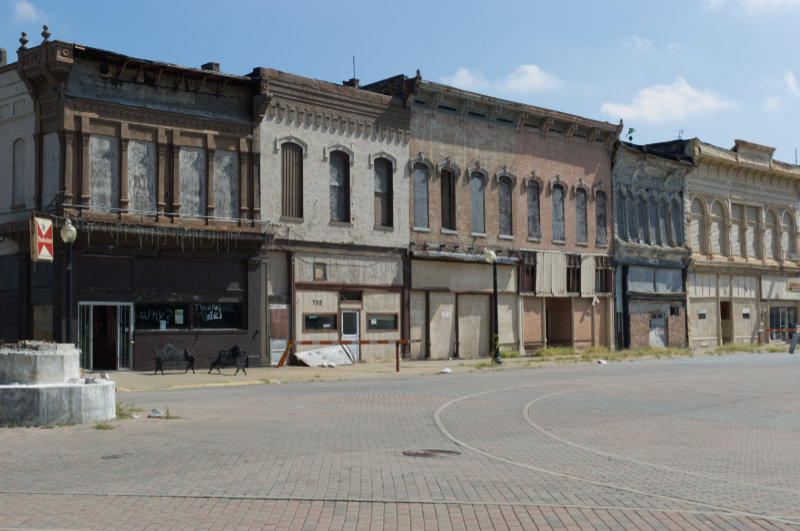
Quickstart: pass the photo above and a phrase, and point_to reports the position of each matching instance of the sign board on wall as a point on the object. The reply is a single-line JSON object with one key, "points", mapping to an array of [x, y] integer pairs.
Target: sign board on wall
{"points": [[793, 285], [41, 240]]}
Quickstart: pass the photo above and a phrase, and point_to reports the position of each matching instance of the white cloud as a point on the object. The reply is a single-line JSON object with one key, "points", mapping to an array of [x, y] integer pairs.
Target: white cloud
{"points": [[525, 79], [24, 11], [755, 6], [639, 44], [663, 103], [791, 83], [772, 104]]}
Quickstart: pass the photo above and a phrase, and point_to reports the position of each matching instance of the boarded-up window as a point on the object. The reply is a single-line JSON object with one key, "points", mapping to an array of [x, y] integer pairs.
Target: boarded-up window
{"points": [[193, 181], [676, 216], [383, 192], [420, 184], [737, 230], [697, 234], [504, 194], [558, 213], [573, 273], [752, 239], [718, 246], [527, 272], [51, 157], [581, 229], [534, 226], [226, 184], [291, 180], [104, 172], [476, 203], [600, 216], [18, 183], [141, 176], [619, 215], [788, 236], [340, 186], [448, 200], [770, 240]]}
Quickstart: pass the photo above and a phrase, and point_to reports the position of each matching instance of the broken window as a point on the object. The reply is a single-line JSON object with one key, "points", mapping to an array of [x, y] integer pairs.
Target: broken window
{"points": [[141, 176], [291, 180], [193, 181], [527, 273], [573, 273], [383, 192], [340, 186], [534, 226], [448, 200], [558, 213], [476, 203], [600, 215], [504, 187], [104, 172], [580, 215], [226, 184], [420, 178], [602, 274]]}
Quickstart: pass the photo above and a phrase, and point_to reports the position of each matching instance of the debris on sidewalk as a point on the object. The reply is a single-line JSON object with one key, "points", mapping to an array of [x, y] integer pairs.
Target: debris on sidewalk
{"points": [[602, 362], [155, 414], [446, 370]]}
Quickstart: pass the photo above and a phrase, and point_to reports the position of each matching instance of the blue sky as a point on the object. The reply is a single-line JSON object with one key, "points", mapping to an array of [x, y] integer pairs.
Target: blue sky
{"points": [[713, 69]]}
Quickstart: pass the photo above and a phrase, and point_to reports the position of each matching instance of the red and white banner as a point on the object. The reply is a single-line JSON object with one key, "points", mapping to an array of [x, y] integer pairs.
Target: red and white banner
{"points": [[41, 240]]}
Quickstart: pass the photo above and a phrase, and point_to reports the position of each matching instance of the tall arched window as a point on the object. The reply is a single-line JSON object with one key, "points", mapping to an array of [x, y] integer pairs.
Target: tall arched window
{"points": [[504, 187], [753, 215], [383, 192], [291, 180], [663, 223], [420, 205], [476, 203], [633, 226], [718, 240], [600, 215], [581, 228], [641, 220], [698, 232], [770, 236], [448, 186], [737, 230], [676, 218], [652, 222], [559, 233], [788, 236], [340, 186], [619, 211], [18, 181], [534, 224]]}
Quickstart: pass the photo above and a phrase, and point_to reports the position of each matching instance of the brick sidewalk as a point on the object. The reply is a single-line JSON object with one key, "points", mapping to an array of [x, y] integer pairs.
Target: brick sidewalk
{"points": [[676, 444]]}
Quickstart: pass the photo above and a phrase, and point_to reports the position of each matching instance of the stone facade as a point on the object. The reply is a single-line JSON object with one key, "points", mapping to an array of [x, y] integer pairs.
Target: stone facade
{"points": [[17, 162]]}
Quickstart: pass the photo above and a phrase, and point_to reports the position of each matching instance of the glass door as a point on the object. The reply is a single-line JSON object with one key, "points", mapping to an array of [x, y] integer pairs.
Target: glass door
{"points": [[350, 331], [85, 335], [125, 335]]}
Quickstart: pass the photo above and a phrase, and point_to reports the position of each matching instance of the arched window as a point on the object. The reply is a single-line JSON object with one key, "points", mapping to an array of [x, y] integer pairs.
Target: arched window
{"points": [[633, 226], [340, 186], [788, 236], [718, 240], [770, 236], [697, 236], [383, 192], [559, 233], [619, 210], [448, 185], [291, 180], [420, 178], [641, 218], [600, 215], [663, 223], [581, 229], [504, 187], [676, 216], [476, 203], [18, 181], [534, 226]]}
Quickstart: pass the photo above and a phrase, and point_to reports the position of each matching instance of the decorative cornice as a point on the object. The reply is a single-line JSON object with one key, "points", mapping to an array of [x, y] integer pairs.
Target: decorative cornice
{"points": [[505, 172], [381, 155], [293, 139], [326, 151], [476, 168], [420, 159], [448, 165]]}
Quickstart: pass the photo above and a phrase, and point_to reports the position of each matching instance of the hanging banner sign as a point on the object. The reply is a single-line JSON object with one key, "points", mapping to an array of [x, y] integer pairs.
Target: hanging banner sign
{"points": [[41, 240]]}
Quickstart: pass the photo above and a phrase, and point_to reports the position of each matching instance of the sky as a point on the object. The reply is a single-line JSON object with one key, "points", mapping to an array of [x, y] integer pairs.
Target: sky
{"points": [[718, 70]]}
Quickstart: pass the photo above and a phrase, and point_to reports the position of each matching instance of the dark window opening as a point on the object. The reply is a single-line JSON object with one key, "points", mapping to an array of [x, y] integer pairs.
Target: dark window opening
{"points": [[383, 192], [340, 186], [600, 213], [674, 311], [573, 273], [351, 296], [448, 200], [603, 274], [291, 180], [527, 273], [319, 321], [378, 321]]}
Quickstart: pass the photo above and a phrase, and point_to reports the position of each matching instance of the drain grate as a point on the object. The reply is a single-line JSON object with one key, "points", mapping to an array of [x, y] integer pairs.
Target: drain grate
{"points": [[431, 453]]}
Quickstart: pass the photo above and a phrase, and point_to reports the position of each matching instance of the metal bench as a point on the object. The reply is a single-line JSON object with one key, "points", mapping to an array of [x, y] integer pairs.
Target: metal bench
{"points": [[233, 357], [169, 355]]}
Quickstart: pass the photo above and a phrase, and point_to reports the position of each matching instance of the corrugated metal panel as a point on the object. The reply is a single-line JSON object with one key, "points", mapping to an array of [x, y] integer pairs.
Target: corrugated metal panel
{"points": [[551, 273], [587, 275]]}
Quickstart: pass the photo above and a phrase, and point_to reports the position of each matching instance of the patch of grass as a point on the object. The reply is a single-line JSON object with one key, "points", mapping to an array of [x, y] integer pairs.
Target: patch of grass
{"points": [[103, 426], [778, 348], [730, 348], [506, 354], [589, 354], [486, 365], [126, 411], [168, 415]]}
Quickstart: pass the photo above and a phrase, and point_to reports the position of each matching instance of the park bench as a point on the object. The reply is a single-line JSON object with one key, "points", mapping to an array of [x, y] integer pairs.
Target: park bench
{"points": [[169, 355], [233, 357]]}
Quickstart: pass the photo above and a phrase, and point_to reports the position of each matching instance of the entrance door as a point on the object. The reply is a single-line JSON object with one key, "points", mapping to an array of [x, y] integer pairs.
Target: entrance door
{"points": [[106, 332], [350, 331], [726, 324], [782, 318], [278, 332], [658, 335]]}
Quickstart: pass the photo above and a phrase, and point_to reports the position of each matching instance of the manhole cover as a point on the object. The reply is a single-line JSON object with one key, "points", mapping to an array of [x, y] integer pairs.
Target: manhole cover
{"points": [[430, 453]]}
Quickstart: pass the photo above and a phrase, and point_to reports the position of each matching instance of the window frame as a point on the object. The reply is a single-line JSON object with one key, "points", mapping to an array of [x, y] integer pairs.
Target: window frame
{"points": [[558, 213], [343, 190], [292, 182], [383, 314], [573, 273], [335, 327], [385, 200]]}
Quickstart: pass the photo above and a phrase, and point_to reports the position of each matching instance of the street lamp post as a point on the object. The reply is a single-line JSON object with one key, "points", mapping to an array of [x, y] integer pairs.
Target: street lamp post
{"points": [[491, 258], [68, 235]]}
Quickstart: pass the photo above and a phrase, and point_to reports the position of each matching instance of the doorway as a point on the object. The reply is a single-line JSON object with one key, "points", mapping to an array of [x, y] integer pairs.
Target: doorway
{"points": [[105, 333], [781, 320], [350, 331], [725, 321]]}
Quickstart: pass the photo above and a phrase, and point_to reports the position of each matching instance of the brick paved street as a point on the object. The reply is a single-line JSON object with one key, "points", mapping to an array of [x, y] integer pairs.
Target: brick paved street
{"points": [[703, 443]]}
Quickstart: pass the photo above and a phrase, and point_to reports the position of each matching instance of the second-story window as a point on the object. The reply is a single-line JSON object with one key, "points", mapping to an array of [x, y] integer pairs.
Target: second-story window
{"points": [[226, 184], [340, 186], [600, 215], [581, 230], [770, 236], [788, 236], [718, 223], [192, 163], [18, 182], [559, 233], [291, 180], [104, 172], [534, 225], [573, 273], [448, 200], [698, 232], [141, 176], [676, 215], [602, 274], [527, 273], [476, 203], [383, 192], [420, 205], [504, 195]]}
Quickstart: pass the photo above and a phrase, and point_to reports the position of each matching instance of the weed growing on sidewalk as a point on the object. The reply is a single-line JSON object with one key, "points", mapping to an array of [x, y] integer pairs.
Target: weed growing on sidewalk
{"points": [[168, 415], [126, 411], [103, 426]]}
